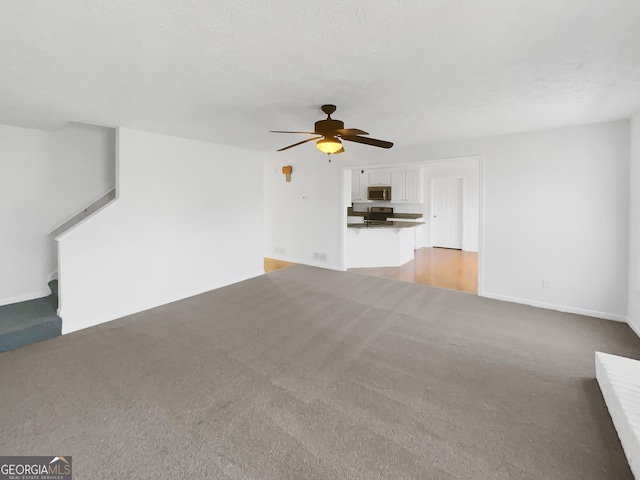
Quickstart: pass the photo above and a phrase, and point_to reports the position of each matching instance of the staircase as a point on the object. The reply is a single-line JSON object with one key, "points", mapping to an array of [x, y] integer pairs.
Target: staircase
{"points": [[31, 321], [36, 320]]}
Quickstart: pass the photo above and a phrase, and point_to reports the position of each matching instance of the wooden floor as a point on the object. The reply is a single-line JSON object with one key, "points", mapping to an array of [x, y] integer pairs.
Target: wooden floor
{"points": [[271, 264], [438, 267]]}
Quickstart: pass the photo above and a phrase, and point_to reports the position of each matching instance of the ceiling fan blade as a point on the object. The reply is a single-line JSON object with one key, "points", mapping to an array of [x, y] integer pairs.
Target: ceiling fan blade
{"points": [[368, 141], [299, 143], [351, 131], [284, 131]]}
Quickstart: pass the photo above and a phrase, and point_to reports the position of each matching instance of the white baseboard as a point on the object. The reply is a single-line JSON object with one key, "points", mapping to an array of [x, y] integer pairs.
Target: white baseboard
{"points": [[25, 297], [560, 308], [70, 326], [324, 265]]}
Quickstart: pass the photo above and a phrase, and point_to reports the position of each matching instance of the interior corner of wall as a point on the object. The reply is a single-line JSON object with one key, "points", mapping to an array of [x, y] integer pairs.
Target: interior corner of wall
{"points": [[634, 325]]}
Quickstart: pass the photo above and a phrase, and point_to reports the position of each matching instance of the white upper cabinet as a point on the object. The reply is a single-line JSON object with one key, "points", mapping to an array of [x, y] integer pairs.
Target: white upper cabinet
{"points": [[406, 186], [412, 186], [380, 177], [359, 184], [397, 187]]}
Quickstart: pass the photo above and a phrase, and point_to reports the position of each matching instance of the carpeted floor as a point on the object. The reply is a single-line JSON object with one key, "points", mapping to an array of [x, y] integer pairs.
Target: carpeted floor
{"points": [[307, 373]]}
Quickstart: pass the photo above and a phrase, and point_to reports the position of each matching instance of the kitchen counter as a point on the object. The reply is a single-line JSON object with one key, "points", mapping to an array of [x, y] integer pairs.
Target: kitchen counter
{"points": [[391, 224], [406, 215], [352, 213]]}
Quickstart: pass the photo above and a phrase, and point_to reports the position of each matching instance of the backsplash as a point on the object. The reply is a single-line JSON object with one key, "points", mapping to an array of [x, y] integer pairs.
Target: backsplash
{"points": [[397, 207]]}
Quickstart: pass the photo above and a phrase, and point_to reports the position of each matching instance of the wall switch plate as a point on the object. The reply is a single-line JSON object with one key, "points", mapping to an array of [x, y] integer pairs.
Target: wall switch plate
{"points": [[545, 283]]}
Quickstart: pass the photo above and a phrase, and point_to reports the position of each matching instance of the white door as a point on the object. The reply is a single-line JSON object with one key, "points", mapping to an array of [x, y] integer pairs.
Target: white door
{"points": [[446, 212]]}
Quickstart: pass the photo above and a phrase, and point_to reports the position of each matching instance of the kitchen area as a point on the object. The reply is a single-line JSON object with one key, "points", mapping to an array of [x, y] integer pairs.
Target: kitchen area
{"points": [[385, 219], [415, 222]]}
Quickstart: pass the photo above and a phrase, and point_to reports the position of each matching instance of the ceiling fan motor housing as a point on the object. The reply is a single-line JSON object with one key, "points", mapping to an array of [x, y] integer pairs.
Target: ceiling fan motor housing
{"points": [[328, 127]]}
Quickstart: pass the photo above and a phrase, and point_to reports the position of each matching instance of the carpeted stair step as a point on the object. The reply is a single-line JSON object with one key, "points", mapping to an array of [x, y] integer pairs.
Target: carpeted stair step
{"points": [[29, 322], [53, 298]]}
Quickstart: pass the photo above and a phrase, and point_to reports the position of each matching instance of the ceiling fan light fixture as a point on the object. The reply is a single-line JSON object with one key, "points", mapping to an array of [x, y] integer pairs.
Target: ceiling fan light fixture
{"points": [[329, 145]]}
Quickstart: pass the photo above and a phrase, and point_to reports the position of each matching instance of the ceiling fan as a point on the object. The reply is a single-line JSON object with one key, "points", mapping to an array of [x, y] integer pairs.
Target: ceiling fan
{"points": [[329, 132]]}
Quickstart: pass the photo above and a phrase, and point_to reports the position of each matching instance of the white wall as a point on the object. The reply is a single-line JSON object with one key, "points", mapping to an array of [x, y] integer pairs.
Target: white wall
{"points": [[634, 224], [188, 219], [45, 177], [556, 206], [304, 217], [469, 171]]}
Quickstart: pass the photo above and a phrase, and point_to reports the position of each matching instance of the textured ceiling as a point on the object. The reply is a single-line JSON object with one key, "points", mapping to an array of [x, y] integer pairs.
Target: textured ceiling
{"points": [[227, 71]]}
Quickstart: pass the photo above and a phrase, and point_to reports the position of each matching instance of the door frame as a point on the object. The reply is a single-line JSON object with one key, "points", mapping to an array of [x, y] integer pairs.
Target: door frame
{"points": [[460, 217]]}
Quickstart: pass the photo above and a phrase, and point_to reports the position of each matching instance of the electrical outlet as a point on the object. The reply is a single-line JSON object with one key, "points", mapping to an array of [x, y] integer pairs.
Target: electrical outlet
{"points": [[320, 257], [279, 250]]}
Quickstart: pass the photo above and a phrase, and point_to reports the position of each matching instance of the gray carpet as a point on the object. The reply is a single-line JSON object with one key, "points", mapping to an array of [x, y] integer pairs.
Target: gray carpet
{"points": [[307, 373]]}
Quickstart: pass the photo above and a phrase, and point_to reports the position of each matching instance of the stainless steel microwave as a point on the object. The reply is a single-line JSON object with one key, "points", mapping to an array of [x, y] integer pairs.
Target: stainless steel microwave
{"points": [[379, 193]]}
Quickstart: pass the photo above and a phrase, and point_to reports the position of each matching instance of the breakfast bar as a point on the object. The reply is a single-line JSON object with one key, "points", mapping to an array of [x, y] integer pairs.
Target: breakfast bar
{"points": [[380, 244]]}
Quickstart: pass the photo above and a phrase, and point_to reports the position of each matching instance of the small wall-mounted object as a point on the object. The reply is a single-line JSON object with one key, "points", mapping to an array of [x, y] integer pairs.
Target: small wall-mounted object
{"points": [[287, 171]]}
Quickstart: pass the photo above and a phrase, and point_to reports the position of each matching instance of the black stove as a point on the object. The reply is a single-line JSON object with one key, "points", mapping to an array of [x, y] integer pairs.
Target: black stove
{"points": [[378, 214]]}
